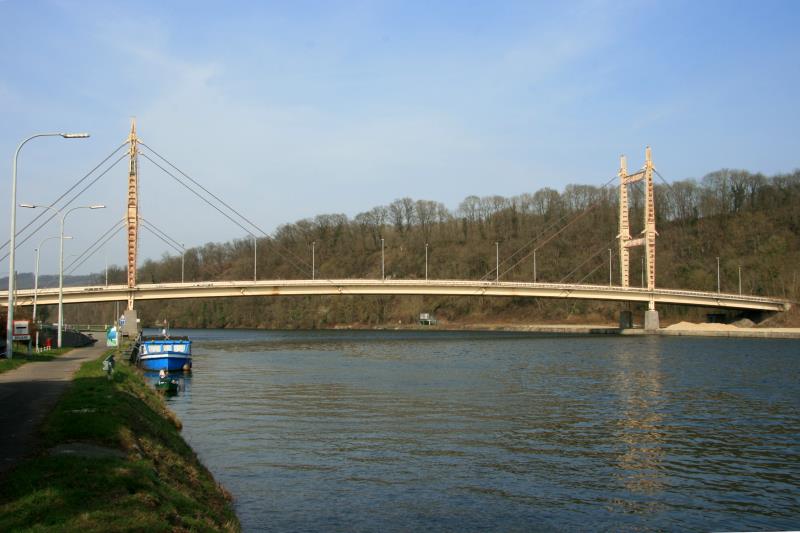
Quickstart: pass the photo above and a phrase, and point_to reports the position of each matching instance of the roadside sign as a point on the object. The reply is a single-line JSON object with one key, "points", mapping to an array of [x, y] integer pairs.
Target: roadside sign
{"points": [[21, 331], [111, 337]]}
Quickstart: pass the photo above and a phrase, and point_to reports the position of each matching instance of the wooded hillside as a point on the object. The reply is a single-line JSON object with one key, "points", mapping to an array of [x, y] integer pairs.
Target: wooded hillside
{"points": [[747, 220]]}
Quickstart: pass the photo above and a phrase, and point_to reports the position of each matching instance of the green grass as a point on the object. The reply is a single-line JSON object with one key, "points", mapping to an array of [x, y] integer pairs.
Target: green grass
{"points": [[159, 485], [20, 358]]}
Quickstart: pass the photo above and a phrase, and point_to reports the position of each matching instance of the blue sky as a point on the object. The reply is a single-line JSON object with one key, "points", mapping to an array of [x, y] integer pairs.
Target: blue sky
{"points": [[293, 109]]}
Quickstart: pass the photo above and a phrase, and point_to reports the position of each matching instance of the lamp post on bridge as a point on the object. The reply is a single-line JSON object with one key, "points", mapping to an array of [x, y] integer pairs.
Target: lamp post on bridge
{"points": [[13, 238], [36, 275], [534, 265], [255, 258], [313, 259], [183, 253], [740, 280], [609, 267], [718, 284], [426, 261], [497, 262], [383, 262], [61, 257]]}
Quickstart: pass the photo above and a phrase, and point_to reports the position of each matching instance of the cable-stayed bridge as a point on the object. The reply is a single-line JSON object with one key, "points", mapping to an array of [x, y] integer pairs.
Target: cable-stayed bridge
{"points": [[491, 284], [335, 287]]}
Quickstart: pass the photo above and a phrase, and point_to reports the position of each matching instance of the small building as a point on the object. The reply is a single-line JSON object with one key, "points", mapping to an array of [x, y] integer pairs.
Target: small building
{"points": [[427, 319]]}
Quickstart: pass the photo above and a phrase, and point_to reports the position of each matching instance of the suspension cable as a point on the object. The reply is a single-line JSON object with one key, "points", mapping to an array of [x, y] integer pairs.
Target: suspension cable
{"points": [[162, 232], [220, 200], [43, 213], [122, 227], [223, 213], [602, 249], [163, 239], [88, 248], [539, 245], [53, 214]]}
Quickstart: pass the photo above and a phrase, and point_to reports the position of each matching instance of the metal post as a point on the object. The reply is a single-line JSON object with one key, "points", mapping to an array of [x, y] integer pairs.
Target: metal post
{"points": [[183, 253], [35, 286], [497, 262], [426, 261], [36, 275], [609, 267], [740, 279], [313, 259], [61, 283], [255, 258], [534, 265], [383, 270], [13, 237], [718, 284], [105, 253]]}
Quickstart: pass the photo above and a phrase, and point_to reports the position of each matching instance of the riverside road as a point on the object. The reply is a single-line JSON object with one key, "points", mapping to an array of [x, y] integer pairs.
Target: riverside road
{"points": [[28, 394]]}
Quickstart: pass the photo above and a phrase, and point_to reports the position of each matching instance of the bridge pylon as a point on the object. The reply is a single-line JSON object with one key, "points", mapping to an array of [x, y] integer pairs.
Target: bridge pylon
{"points": [[648, 235], [133, 210]]}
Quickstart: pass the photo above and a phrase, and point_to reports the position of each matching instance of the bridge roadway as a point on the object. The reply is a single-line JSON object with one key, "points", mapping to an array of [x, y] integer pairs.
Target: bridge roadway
{"points": [[223, 289]]}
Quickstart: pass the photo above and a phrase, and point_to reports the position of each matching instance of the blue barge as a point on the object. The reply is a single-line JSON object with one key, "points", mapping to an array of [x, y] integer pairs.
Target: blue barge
{"points": [[165, 353]]}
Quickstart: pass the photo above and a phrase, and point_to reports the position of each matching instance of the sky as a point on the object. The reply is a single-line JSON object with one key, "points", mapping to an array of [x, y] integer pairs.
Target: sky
{"points": [[292, 109]]}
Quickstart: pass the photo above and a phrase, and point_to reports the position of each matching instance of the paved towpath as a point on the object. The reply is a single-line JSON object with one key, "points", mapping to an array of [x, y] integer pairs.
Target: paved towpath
{"points": [[28, 394]]}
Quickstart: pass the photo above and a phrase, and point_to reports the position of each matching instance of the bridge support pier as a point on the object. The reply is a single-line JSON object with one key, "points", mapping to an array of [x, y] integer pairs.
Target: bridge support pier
{"points": [[625, 319], [651, 320], [132, 325]]}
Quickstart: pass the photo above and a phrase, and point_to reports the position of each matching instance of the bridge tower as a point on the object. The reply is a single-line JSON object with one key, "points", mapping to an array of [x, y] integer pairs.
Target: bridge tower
{"points": [[133, 210], [648, 235]]}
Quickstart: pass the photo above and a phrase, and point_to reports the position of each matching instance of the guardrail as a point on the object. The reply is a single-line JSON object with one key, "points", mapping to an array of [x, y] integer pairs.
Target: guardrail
{"points": [[87, 327]]}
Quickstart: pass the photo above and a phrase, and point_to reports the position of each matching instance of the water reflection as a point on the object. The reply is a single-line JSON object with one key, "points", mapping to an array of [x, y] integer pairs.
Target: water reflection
{"points": [[637, 382]]}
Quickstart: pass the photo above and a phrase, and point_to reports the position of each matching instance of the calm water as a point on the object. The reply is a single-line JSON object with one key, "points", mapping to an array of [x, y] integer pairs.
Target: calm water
{"points": [[390, 431]]}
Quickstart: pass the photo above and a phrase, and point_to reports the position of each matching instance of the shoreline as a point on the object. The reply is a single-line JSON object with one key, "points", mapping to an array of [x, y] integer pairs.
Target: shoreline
{"points": [[699, 330], [137, 472], [692, 330]]}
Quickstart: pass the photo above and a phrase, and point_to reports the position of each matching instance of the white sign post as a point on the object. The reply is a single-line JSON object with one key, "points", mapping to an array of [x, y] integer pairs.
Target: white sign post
{"points": [[21, 332]]}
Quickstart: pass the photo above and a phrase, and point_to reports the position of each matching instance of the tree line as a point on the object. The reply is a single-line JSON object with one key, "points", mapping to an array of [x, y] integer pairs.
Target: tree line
{"points": [[750, 221]]}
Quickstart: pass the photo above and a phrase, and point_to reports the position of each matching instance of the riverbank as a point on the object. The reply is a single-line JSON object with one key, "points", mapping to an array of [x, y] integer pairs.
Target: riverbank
{"points": [[683, 329], [112, 458]]}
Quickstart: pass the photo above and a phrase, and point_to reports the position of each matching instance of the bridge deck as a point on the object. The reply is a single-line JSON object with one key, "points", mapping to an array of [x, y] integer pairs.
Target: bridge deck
{"points": [[221, 289]]}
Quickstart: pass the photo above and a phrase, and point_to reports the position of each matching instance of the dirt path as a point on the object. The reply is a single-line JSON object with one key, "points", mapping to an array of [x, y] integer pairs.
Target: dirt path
{"points": [[28, 394]]}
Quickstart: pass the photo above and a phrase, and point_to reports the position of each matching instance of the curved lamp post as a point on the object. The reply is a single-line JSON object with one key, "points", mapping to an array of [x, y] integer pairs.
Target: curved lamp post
{"points": [[63, 216], [13, 241]]}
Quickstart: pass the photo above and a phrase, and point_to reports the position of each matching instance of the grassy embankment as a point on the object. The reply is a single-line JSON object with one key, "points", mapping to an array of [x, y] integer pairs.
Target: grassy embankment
{"points": [[20, 358], [128, 466]]}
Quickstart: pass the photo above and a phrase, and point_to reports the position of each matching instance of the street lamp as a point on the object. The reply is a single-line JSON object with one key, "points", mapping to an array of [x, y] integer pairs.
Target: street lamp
{"points": [[255, 258], [534, 265], [13, 240], [313, 259], [497, 262], [740, 279], [183, 253], [61, 257], [609, 267], [718, 286], [36, 275], [426, 261]]}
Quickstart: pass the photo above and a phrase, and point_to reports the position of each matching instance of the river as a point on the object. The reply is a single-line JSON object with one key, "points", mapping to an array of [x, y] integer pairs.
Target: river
{"points": [[461, 431]]}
